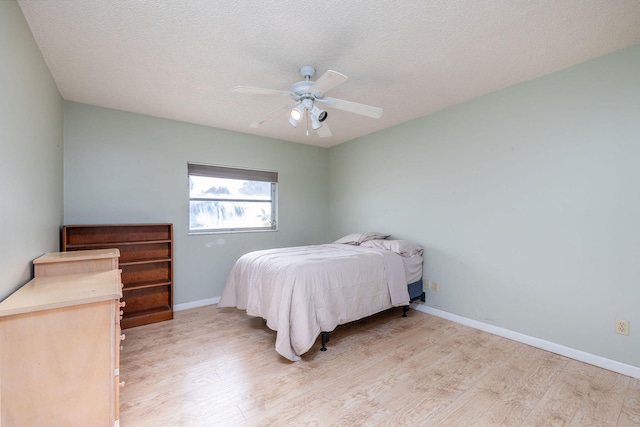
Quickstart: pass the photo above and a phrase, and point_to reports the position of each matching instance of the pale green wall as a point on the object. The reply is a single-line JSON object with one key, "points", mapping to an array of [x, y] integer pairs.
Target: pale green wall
{"points": [[526, 200], [128, 168], [31, 157]]}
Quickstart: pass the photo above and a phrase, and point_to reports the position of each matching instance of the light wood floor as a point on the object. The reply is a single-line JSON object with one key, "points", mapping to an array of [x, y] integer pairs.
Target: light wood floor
{"points": [[218, 367]]}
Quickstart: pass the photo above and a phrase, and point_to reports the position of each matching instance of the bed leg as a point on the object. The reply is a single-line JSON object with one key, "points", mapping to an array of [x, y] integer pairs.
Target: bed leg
{"points": [[325, 340], [405, 308]]}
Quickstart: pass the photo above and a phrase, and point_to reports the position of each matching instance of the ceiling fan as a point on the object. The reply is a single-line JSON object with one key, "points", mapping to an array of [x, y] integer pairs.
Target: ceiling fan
{"points": [[306, 94]]}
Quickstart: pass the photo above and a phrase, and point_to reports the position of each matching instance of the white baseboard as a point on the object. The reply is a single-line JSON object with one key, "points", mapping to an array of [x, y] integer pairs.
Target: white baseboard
{"points": [[601, 362], [195, 304]]}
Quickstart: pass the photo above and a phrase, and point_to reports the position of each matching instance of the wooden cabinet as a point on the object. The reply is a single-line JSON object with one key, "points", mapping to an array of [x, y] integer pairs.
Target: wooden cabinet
{"points": [[59, 351], [146, 260]]}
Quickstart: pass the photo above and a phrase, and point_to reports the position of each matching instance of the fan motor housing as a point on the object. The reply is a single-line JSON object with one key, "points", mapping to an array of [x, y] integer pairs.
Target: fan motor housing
{"points": [[304, 88]]}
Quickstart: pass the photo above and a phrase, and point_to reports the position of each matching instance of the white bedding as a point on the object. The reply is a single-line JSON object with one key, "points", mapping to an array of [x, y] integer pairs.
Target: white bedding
{"points": [[302, 291], [412, 268]]}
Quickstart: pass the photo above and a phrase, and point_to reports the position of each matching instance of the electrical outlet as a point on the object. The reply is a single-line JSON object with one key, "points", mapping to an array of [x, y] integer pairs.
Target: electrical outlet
{"points": [[426, 285], [622, 327], [435, 286]]}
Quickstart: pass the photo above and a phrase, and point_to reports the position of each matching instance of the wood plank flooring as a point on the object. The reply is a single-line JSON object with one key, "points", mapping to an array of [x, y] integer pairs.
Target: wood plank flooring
{"points": [[218, 367]]}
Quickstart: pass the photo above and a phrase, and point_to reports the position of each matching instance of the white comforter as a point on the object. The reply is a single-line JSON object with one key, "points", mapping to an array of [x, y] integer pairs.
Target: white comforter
{"points": [[302, 291]]}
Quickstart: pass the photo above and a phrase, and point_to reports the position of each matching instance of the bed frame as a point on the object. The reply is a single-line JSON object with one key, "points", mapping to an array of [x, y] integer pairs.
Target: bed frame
{"points": [[415, 293]]}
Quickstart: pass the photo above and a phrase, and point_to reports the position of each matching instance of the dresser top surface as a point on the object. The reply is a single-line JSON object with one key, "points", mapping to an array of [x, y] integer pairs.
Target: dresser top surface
{"points": [[73, 256], [45, 293]]}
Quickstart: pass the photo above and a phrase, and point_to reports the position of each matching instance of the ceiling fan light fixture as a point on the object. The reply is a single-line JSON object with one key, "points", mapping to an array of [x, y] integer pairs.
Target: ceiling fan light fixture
{"points": [[319, 114], [293, 122], [315, 123], [297, 112]]}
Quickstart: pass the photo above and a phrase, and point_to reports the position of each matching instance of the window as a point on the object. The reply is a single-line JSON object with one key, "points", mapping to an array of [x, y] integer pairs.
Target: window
{"points": [[225, 199]]}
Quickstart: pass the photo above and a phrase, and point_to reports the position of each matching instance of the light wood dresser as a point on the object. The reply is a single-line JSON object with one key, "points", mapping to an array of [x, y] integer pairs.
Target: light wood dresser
{"points": [[58, 263], [60, 349]]}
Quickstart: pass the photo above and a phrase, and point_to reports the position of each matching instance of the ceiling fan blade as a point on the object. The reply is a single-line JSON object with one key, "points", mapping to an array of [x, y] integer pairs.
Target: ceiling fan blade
{"points": [[264, 119], [328, 81], [353, 107], [324, 131], [260, 91]]}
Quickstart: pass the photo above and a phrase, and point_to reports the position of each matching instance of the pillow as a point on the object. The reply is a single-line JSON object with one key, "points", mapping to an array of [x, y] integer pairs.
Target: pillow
{"points": [[403, 248], [357, 238]]}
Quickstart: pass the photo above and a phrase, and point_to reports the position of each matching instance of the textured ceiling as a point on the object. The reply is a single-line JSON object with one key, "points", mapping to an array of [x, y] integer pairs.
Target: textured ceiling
{"points": [[179, 59]]}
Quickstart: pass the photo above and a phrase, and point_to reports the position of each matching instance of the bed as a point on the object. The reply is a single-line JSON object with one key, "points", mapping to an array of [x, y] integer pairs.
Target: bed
{"points": [[305, 291]]}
